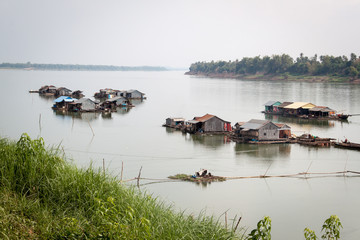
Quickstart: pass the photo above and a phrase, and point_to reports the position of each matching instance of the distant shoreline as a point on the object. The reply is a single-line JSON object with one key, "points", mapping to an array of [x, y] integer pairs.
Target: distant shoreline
{"points": [[76, 67], [273, 77]]}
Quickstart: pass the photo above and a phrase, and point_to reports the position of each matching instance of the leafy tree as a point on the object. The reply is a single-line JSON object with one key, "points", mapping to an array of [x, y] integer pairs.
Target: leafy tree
{"points": [[331, 228], [262, 231]]}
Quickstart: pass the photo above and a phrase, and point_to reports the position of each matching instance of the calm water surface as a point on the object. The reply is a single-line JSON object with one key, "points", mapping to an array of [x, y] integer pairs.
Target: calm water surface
{"points": [[136, 138]]}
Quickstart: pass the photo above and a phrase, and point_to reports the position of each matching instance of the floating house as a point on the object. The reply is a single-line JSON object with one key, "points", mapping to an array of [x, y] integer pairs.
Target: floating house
{"points": [[111, 93], [47, 90], [262, 130], [83, 105], [62, 91], [62, 103], [298, 108], [284, 130], [174, 122], [134, 94], [106, 93], [281, 107], [208, 124], [77, 94], [112, 103], [121, 101], [272, 106], [320, 111]]}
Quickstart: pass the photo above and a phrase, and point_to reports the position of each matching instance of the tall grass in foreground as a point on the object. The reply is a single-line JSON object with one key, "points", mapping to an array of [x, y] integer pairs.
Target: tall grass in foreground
{"points": [[43, 196]]}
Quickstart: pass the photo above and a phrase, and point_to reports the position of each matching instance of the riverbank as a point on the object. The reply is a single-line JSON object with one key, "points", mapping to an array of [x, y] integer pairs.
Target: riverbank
{"points": [[43, 196], [279, 77]]}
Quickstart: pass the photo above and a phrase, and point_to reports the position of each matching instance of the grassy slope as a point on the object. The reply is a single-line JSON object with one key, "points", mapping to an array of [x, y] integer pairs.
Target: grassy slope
{"points": [[44, 197]]}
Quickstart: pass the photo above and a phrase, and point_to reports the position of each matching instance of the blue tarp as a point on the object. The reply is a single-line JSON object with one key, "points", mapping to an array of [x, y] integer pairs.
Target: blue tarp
{"points": [[64, 98]]}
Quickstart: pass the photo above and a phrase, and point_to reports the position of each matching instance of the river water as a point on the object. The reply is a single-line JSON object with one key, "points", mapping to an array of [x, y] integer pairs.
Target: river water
{"points": [[135, 138]]}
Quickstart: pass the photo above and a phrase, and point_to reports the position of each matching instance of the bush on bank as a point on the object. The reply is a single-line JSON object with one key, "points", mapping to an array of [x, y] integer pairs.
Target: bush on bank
{"points": [[43, 196]]}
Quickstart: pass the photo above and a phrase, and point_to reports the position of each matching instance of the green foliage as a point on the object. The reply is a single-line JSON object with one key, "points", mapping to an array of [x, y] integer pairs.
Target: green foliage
{"points": [[262, 231], [44, 197], [280, 64], [331, 228], [309, 234]]}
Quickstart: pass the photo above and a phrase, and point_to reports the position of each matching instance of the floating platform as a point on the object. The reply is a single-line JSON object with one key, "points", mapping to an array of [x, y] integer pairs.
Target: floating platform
{"points": [[193, 178]]}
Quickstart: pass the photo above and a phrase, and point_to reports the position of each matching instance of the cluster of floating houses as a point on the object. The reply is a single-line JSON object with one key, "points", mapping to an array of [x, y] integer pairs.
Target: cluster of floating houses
{"points": [[50, 90], [302, 110], [105, 100], [253, 131]]}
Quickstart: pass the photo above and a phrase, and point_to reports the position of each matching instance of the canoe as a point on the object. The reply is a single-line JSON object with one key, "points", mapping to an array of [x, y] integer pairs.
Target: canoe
{"points": [[348, 145]]}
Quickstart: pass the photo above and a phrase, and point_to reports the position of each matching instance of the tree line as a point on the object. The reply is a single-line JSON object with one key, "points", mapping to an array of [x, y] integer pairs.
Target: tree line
{"points": [[283, 64], [76, 67]]}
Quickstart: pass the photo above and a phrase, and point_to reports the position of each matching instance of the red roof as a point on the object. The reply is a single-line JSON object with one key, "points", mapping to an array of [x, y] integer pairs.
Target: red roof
{"points": [[207, 117], [204, 118]]}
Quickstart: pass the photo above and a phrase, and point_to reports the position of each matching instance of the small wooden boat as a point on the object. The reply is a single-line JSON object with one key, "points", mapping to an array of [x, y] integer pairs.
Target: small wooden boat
{"points": [[349, 145], [343, 116], [33, 91]]}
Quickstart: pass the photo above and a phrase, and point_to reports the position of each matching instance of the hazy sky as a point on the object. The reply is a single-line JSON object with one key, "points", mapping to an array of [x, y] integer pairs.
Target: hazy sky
{"points": [[174, 32]]}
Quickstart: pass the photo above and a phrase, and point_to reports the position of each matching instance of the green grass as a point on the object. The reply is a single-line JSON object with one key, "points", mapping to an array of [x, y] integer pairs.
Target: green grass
{"points": [[43, 196]]}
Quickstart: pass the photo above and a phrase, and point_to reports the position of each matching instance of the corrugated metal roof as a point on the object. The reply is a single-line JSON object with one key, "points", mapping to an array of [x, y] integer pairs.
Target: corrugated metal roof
{"points": [[297, 105], [177, 119], [239, 123], [270, 103], [114, 99], [254, 124], [64, 98], [134, 90], [207, 117], [204, 118], [321, 109], [282, 125], [284, 104], [192, 121]]}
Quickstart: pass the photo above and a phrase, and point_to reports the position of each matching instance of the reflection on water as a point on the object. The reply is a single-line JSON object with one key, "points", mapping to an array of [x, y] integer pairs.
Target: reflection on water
{"points": [[212, 141], [122, 110], [266, 151], [137, 102], [47, 98], [86, 116], [169, 152], [106, 115], [301, 121]]}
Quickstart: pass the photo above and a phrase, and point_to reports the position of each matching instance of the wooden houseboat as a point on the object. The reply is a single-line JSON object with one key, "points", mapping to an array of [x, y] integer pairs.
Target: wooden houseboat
{"points": [[47, 90], [174, 122], [207, 124], [62, 103], [84, 105], [261, 131], [302, 110]]}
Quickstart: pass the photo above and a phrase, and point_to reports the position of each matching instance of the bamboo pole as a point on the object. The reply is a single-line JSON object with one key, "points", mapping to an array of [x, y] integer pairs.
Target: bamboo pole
{"points": [[40, 123], [91, 129], [138, 178], [122, 171], [300, 175], [237, 224], [104, 165], [225, 219]]}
